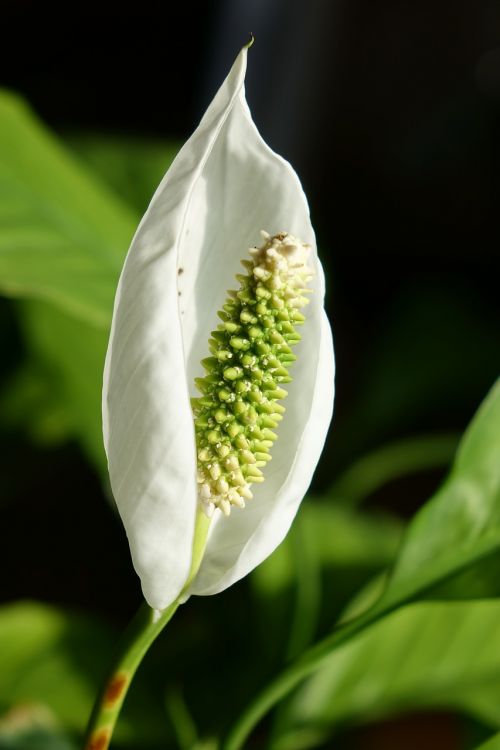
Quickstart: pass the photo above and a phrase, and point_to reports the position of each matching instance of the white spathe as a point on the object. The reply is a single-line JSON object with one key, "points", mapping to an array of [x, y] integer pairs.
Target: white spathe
{"points": [[224, 186]]}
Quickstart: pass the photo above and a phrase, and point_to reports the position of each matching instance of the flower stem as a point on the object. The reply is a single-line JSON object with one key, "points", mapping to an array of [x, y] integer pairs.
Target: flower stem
{"points": [[138, 637], [146, 625]]}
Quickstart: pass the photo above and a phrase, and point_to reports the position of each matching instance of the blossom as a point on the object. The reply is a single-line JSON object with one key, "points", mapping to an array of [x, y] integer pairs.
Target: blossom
{"points": [[223, 188]]}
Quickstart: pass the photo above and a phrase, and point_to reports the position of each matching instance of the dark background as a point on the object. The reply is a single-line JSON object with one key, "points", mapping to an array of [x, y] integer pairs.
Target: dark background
{"points": [[390, 112]]}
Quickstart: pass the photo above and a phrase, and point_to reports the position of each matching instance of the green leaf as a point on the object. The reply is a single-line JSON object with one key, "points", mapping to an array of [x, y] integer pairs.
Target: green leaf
{"points": [[459, 528], [451, 549], [63, 237], [132, 167], [63, 234], [432, 655]]}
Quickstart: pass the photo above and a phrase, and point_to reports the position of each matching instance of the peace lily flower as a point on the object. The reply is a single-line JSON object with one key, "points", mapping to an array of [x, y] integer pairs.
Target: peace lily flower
{"points": [[187, 441]]}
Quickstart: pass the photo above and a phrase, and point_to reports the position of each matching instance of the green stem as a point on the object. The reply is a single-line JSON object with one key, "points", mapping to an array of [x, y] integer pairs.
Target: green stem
{"points": [[136, 640], [138, 637], [294, 674]]}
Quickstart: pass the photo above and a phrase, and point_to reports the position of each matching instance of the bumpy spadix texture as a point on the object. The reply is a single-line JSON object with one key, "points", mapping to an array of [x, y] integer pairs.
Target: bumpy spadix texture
{"points": [[224, 186], [239, 408]]}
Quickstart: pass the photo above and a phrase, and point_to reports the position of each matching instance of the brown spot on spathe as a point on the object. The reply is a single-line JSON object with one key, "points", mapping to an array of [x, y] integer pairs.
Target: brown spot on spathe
{"points": [[180, 270], [99, 740], [115, 689]]}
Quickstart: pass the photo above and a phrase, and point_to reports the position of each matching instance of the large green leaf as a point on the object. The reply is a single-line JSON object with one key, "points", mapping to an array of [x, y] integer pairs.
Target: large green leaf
{"points": [[451, 549], [431, 655], [63, 235]]}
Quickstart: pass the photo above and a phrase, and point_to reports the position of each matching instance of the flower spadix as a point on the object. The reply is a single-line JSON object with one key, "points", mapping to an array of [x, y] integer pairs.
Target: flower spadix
{"points": [[251, 351], [184, 438]]}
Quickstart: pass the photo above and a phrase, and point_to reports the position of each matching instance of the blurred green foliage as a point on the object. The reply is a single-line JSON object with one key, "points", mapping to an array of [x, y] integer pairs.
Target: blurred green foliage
{"points": [[63, 232], [63, 237], [491, 744], [67, 214], [53, 660], [39, 738]]}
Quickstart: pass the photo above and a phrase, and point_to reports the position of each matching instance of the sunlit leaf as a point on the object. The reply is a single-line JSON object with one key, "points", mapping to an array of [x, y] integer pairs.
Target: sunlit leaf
{"points": [[460, 527], [63, 234], [432, 655]]}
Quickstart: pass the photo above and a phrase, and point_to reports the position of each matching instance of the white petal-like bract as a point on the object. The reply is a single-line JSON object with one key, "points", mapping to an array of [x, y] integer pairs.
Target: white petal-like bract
{"points": [[224, 186]]}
